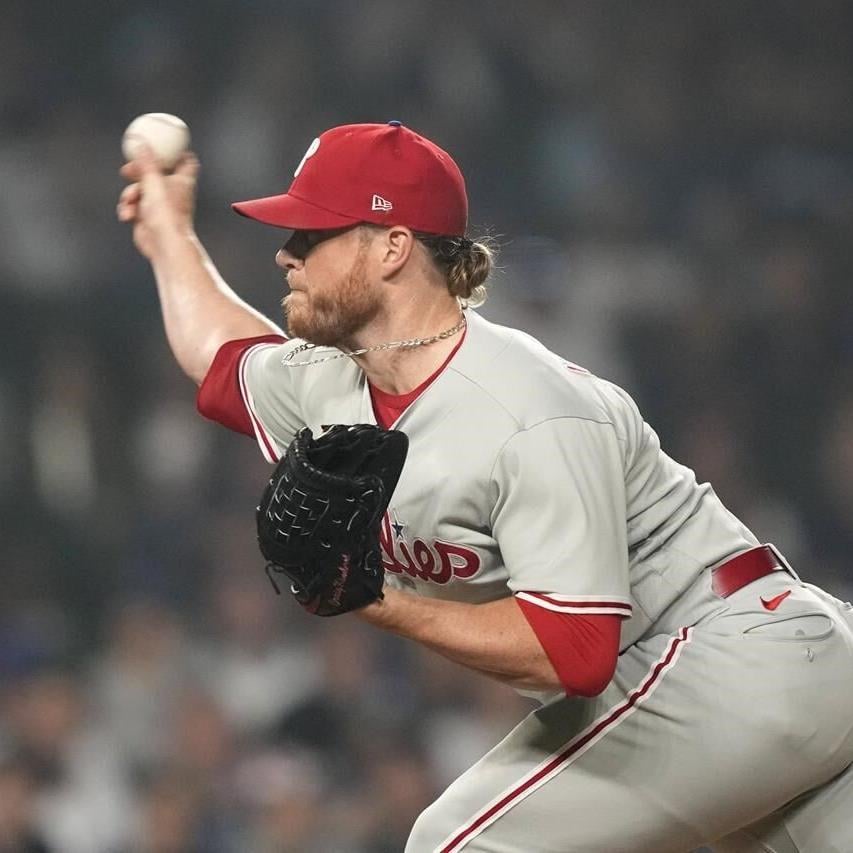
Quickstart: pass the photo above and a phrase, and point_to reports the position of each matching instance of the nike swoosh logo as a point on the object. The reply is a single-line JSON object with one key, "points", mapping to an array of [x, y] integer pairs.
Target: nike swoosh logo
{"points": [[773, 603]]}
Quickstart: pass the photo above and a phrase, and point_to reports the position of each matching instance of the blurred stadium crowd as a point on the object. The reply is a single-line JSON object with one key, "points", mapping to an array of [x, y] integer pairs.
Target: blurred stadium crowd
{"points": [[673, 190]]}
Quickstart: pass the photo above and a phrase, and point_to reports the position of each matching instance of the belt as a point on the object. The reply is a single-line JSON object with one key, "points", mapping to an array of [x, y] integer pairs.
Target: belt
{"points": [[747, 567]]}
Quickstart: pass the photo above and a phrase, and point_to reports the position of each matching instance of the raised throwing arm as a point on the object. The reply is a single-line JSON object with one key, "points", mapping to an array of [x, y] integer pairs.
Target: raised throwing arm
{"points": [[200, 311]]}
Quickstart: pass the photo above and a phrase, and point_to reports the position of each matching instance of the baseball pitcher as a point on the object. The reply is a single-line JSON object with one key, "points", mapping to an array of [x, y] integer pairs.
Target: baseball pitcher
{"points": [[456, 483]]}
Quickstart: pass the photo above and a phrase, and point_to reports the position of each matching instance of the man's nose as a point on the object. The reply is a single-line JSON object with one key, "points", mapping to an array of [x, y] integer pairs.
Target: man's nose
{"points": [[286, 261]]}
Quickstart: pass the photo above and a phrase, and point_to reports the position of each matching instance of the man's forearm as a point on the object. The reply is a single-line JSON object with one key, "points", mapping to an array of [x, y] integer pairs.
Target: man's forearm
{"points": [[200, 311], [493, 638]]}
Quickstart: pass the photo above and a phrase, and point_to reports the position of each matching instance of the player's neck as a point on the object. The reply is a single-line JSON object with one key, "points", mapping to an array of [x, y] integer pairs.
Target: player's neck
{"points": [[401, 369]]}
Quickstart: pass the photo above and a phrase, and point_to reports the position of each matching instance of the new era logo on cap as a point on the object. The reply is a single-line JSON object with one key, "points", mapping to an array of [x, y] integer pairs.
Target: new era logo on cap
{"points": [[380, 203], [347, 165]]}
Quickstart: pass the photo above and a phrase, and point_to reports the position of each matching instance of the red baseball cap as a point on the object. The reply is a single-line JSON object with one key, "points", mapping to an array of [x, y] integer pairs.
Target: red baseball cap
{"points": [[380, 173]]}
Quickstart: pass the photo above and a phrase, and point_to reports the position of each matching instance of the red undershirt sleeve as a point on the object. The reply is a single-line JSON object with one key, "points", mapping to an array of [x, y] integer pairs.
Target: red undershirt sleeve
{"points": [[219, 397], [583, 648]]}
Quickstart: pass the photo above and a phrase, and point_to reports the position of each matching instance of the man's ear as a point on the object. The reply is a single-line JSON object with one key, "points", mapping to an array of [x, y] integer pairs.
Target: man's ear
{"points": [[396, 245]]}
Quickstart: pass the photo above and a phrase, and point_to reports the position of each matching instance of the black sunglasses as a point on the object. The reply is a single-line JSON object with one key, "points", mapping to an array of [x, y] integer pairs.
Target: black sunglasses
{"points": [[301, 243]]}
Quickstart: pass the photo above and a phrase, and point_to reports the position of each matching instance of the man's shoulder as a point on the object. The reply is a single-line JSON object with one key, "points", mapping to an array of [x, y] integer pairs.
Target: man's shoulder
{"points": [[531, 382], [294, 363]]}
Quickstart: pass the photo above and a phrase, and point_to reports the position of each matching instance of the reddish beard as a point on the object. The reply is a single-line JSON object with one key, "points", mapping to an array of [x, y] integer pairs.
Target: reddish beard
{"points": [[333, 316]]}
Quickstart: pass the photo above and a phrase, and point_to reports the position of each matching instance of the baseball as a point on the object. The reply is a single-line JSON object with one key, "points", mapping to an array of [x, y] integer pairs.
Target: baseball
{"points": [[166, 135]]}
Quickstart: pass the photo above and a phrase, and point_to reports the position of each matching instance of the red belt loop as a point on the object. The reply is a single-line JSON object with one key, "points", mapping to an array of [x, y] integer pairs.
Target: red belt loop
{"points": [[736, 573]]}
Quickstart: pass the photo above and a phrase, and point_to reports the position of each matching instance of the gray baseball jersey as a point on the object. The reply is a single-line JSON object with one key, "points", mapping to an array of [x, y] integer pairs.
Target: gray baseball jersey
{"points": [[527, 475]]}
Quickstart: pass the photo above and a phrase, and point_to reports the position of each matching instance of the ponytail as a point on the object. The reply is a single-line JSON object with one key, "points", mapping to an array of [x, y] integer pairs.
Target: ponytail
{"points": [[466, 264]]}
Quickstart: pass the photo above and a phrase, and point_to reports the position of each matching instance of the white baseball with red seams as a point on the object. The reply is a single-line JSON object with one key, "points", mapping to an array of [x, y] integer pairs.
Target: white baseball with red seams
{"points": [[166, 135]]}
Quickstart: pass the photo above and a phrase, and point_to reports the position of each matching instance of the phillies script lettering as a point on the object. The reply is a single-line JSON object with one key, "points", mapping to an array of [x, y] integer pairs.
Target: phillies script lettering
{"points": [[437, 563]]}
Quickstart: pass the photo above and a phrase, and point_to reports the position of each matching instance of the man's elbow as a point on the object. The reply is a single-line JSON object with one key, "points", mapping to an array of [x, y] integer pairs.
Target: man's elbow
{"points": [[587, 681], [590, 682]]}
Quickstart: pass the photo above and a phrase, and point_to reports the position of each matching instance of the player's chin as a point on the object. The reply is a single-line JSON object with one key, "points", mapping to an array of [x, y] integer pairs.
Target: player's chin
{"points": [[302, 323], [295, 306], [293, 315]]}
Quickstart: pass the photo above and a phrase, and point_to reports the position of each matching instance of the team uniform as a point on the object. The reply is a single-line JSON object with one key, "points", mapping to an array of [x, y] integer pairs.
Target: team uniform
{"points": [[528, 476], [707, 691]]}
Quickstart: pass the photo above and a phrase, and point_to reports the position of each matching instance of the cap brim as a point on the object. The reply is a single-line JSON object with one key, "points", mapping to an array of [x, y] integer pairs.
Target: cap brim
{"points": [[287, 211]]}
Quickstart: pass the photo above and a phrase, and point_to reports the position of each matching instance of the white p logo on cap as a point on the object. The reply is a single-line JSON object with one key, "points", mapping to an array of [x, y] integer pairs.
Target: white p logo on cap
{"points": [[312, 150]]}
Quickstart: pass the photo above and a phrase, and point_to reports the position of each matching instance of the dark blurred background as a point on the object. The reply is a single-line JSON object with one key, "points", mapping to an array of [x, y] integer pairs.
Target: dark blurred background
{"points": [[672, 184]]}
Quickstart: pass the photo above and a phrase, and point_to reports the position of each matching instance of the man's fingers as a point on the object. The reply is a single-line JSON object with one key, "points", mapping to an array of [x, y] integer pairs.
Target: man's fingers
{"points": [[126, 211], [148, 181], [188, 166], [128, 202], [130, 170], [150, 170], [130, 194], [144, 163]]}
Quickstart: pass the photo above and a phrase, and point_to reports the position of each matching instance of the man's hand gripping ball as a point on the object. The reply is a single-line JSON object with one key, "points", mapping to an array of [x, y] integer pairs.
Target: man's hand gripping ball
{"points": [[320, 515]]}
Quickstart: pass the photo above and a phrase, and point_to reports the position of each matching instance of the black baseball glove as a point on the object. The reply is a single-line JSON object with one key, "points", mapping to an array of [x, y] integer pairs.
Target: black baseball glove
{"points": [[320, 514]]}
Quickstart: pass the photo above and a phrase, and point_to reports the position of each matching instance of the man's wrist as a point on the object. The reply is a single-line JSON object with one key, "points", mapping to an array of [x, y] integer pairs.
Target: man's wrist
{"points": [[379, 612], [175, 239]]}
